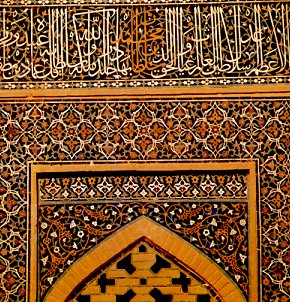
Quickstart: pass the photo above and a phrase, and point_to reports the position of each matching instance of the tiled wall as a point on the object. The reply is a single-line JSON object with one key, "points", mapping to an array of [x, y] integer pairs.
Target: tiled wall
{"points": [[157, 130]]}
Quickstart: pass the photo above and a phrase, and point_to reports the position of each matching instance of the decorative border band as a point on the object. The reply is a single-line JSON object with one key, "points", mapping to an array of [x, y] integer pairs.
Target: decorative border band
{"points": [[144, 46]]}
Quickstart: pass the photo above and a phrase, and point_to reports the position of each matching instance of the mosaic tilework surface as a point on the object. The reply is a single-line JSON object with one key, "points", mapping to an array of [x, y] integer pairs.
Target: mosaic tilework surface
{"points": [[146, 45], [209, 209], [117, 187], [157, 130], [218, 229]]}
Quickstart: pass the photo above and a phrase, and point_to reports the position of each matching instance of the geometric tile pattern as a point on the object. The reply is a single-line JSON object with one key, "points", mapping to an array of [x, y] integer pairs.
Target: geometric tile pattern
{"points": [[145, 275], [151, 130]]}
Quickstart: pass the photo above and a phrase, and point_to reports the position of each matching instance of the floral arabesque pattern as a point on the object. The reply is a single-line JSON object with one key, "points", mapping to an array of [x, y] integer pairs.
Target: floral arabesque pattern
{"points": [[112, 188], [218, 229], [261, 130]]}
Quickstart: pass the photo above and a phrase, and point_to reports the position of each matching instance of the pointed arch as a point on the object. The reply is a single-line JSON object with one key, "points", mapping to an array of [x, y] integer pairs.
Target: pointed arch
{"points": [[191, 257]]}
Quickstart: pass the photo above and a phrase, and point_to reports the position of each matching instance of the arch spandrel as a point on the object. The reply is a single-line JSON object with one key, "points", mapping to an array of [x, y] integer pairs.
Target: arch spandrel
{"points": [[164, 239]]}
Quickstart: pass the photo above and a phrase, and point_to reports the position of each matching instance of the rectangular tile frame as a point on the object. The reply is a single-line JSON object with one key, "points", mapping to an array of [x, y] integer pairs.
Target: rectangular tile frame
{"points": [[89, 166]]}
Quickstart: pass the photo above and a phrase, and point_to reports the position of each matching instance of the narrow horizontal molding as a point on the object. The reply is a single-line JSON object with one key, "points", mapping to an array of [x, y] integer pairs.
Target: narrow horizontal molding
{"points": [[279, 90]]}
